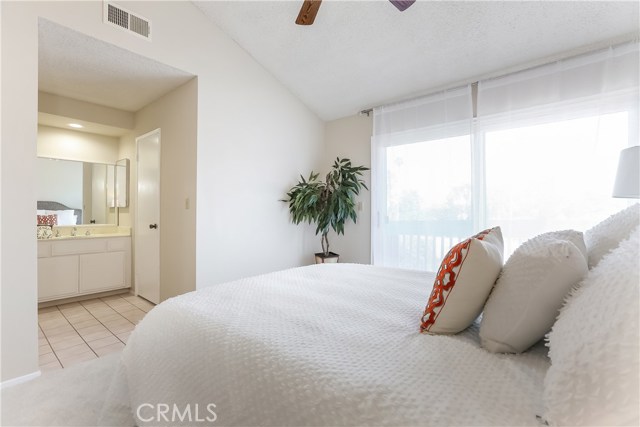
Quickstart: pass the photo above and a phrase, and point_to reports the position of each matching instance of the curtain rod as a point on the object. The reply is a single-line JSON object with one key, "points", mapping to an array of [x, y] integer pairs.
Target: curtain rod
{"points": [[620, 41]]}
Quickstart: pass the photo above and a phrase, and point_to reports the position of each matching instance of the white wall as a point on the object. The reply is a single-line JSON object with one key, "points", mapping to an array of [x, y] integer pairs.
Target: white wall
{"points": [[253, 138], [67, 144], [67, 186], [350, 137], [19, 347]]}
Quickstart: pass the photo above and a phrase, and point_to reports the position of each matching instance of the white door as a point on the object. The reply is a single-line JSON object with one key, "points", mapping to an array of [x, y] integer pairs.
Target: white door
{"points": [[147, 233]]}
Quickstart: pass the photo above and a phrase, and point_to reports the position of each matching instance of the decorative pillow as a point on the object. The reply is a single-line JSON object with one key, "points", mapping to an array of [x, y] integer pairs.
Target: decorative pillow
{"points": [[608, 234], [594, 378], [44, 232], [463, 283], [532, 287], [47, 220]]}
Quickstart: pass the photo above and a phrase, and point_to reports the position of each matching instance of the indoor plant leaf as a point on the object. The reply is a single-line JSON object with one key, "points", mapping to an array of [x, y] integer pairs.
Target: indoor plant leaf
{"points": [[328, 204]]}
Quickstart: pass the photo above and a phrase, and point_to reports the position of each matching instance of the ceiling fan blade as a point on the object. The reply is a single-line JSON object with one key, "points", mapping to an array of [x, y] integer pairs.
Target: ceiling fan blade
{"points": [[308, 12], [402, 5]]}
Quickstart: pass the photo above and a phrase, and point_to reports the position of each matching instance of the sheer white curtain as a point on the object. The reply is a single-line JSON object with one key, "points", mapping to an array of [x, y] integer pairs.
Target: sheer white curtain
{"points": [[421, 161], [540, 156], [551, 137]]}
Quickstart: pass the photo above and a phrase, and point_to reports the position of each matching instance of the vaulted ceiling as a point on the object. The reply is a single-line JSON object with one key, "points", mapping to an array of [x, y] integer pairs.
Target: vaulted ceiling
{"points": [[360, 54]]}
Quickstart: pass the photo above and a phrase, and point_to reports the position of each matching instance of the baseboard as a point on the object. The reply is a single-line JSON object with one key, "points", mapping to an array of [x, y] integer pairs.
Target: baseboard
{"points": [[85, 297], [19, 380]]}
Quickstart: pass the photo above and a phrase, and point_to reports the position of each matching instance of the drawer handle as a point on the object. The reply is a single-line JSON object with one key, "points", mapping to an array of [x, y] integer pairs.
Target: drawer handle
{"points": [[153, 226]]}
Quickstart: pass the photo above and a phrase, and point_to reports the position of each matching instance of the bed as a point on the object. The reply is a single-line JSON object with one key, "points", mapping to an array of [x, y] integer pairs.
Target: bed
{"points": [[43, 205], [340, 344], [323, 345]]}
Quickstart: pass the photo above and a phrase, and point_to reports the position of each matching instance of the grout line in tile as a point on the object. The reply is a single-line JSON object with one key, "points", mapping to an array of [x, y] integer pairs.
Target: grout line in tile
{"points": [[52, 350], [105, 326], [104, 304], [81, 337]]}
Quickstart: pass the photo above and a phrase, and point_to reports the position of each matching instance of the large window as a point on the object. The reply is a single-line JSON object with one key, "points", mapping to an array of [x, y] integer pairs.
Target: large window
{"points": [[552, 176], [540, 155], [429, 200]]}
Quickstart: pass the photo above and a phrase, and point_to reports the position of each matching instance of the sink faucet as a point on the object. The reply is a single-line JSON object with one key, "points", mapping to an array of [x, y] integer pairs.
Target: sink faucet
{"points": [[57, 233], [74, 231]]}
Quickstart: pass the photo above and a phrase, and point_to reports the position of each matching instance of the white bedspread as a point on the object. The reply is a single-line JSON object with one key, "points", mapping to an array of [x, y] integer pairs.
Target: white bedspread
{"points": [[324, 345]]}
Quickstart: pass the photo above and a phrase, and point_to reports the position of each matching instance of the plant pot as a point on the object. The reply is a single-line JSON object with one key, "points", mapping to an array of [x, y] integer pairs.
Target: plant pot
{"points": [[332, 258]]}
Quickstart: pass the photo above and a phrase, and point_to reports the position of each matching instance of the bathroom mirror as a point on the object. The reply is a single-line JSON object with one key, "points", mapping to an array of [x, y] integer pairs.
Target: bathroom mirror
{"points": [[122, 183], [80, 185]]}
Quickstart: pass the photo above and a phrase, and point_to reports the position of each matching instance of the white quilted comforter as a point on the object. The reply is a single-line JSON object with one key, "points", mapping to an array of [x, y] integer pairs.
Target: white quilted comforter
{"points": [[324, 345]]}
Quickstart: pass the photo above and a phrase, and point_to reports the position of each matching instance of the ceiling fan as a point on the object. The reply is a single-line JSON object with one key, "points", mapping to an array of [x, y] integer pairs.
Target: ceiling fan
{"points": [[310, 8]]}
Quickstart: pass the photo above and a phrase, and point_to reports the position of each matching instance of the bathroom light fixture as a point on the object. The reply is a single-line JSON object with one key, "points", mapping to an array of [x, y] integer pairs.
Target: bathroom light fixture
{"points": [[75, 125]]}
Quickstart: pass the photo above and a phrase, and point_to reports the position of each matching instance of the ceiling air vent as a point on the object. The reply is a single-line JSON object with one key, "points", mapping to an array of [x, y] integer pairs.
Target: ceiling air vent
{"points": [[125, 19]]}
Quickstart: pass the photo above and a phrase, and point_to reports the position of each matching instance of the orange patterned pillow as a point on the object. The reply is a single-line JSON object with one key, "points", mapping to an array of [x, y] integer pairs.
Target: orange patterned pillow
{"points": [[47, 219], [463, 283]]}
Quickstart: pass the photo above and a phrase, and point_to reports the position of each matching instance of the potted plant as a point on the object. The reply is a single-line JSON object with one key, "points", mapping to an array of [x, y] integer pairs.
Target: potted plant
{"points": [[328, 204]]}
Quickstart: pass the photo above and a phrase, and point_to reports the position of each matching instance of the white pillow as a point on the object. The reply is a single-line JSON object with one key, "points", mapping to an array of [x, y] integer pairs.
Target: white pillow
{"points": [[61, 211], [65, 217], [463, 283], [594, 378], [533, 284], [608, 234]]}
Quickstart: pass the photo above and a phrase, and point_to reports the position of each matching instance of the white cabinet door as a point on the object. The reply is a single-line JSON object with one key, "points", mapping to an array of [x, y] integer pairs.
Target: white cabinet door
{"points": [[57, 277], [102, 271]]}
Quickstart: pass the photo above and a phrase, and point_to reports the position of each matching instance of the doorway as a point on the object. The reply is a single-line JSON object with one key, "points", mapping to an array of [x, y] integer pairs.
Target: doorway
{"points": [[147, 231], [76, 70]]}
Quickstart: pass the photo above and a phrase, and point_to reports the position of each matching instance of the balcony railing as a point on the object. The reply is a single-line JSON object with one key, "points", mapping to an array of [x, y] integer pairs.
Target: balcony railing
{"points": [[421, 245]]}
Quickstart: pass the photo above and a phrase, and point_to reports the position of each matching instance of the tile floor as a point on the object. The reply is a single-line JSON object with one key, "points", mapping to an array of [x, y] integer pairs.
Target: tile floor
{"points": [[78, 331]]}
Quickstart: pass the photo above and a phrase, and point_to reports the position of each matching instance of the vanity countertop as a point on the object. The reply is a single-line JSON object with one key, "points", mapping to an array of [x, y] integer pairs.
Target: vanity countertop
{"points": [[91, 236], [100, 231]]}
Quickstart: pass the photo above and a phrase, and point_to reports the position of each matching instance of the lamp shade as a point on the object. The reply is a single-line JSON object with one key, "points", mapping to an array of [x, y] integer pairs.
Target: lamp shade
{"points": [[628, 176]]}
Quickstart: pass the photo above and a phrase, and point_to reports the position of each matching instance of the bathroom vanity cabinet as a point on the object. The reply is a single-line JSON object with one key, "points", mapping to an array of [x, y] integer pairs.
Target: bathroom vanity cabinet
{"points": [[74, 266]]}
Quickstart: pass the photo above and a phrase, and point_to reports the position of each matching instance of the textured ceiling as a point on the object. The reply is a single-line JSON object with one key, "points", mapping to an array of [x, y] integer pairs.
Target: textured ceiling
{"points": [[360, 54], [77, 66]]}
